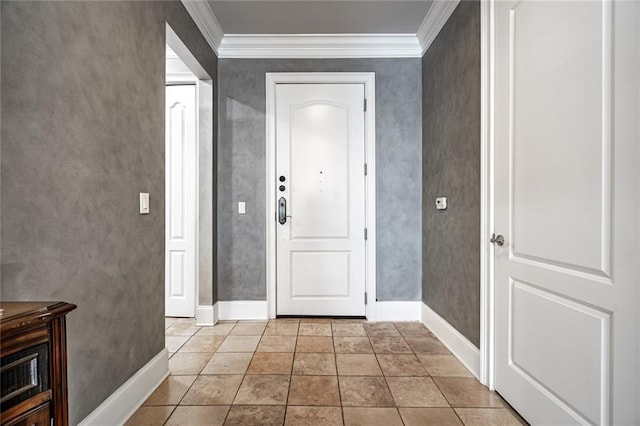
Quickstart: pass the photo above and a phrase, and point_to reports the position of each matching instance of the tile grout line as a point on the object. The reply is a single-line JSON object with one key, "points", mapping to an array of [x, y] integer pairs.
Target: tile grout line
{"points": [[244, 376], [448, 402], [286, 402], [198, 375], [395, 403], [335, 360], [188, 388]]}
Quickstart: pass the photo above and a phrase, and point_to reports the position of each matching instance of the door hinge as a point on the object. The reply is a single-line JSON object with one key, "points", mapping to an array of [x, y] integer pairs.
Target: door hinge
{"points": [[365, 104], [366, 234], [365, 169], [365, 297]]}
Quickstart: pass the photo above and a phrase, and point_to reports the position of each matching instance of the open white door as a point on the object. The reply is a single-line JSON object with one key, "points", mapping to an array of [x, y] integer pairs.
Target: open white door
{"points": [[320, 199], [180, 227], [566, 203]]}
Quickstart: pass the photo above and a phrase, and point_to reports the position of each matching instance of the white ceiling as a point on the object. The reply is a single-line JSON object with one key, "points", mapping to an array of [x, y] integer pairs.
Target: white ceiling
{"points": [[320, 16]]}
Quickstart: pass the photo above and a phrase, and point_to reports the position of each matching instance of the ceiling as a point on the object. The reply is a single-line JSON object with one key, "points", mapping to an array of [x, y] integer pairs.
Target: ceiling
{"points": [[320, 16]]}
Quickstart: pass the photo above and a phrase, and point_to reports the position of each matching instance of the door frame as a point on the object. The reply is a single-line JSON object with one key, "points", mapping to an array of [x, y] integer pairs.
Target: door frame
{"points": [[368, 79], [487, 255], [203, 134]]}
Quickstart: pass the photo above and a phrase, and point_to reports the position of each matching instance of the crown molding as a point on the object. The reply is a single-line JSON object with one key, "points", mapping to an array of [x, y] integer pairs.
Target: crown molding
{"points": [[319, 46], [206, 21], [170, 54], [434, 20]]}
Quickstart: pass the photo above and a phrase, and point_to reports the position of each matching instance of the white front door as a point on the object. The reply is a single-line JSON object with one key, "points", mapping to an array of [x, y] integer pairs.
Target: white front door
{"points": [[320, 158], [566, 202], [180, 194]]}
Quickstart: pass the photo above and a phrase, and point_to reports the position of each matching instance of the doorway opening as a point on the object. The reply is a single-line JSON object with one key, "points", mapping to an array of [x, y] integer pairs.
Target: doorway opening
{"points": [[188, 181]]}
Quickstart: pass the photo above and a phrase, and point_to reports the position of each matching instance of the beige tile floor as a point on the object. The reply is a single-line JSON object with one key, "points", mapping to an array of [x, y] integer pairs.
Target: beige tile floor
{"points": [[316, 372]]}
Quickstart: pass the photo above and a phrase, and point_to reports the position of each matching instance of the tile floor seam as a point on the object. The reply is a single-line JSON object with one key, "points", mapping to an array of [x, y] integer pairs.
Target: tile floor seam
{"points": [[187, 391], [286, 409], [395, 403], [447, 399], [335, 360], [170, 414]]}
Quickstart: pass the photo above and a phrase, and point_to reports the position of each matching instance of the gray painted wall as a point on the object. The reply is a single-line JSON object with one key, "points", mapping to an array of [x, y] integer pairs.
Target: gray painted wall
{"points": [[241, 172], [451, 168], [82, 133]]}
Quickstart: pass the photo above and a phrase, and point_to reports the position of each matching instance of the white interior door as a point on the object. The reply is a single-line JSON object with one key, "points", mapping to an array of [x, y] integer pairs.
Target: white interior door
{"points": [[320, 158], [180, 194], [566, 202]]}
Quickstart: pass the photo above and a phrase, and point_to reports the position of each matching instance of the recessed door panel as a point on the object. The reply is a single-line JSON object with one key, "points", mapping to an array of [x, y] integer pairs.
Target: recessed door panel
{"points": [[178, 133], [545, 329], [560, 110], [177, 274], [320, 274], [319, 171]]}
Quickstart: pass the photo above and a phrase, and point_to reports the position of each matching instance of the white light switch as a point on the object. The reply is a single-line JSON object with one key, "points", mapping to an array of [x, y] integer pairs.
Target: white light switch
{"points": [[441, 203], [242, 207], [144, 203]]}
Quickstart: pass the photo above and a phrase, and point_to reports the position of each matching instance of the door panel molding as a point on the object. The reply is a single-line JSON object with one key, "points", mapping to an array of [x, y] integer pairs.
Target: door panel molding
{"points": [[368, 80], [596, 129]]}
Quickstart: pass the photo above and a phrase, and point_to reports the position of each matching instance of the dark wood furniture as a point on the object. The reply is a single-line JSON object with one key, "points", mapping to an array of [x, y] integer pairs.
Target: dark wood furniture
{"points": [[33, 363]]}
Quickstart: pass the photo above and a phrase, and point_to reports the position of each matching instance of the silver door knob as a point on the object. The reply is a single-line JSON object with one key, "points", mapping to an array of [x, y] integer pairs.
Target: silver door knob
{"points": [[497, 239]]}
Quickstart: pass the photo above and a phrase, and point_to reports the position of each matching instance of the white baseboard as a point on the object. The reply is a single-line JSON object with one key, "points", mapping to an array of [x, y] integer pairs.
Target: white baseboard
{"points": [[121, 404], [206, 315], [459, 345], [243, 310], [398, 311]]}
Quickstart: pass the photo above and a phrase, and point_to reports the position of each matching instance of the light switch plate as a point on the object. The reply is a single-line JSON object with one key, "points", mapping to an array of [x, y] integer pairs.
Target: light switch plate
{"points": [[441, 203], [242, 207], [144, 203]]}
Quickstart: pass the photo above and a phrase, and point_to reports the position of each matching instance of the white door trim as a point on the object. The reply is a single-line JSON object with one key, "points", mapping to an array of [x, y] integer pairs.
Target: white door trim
{"points": [[368, 79], [487, 308]]}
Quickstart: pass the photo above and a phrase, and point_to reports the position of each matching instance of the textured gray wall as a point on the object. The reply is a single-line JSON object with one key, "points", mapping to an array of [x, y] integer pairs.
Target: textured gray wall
{"points": [[82, 133], [451, 168], [241, 172]]}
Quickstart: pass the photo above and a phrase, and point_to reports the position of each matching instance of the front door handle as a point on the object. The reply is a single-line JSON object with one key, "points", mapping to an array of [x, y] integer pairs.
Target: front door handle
{"points": [[282, 210]]}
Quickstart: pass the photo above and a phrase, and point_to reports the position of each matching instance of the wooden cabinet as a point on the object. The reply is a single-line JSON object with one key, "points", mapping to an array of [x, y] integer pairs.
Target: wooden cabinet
{"points": [[33, 363]]}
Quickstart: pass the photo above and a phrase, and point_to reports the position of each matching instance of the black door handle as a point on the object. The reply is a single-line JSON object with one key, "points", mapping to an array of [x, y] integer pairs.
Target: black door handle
{"points": [[282, 211]]}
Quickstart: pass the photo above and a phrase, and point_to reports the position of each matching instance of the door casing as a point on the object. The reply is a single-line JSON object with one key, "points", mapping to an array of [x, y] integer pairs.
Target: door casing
{"points": [[368, 79], [487, 82]]}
